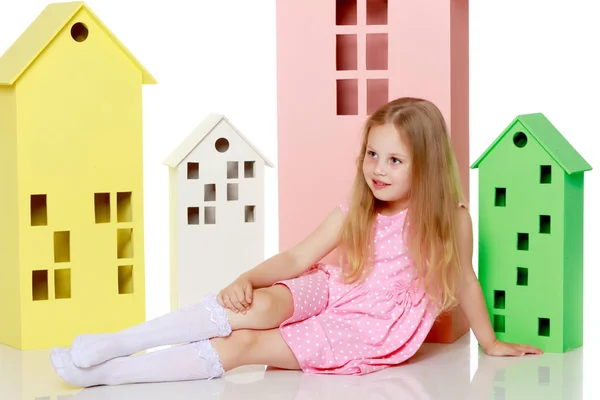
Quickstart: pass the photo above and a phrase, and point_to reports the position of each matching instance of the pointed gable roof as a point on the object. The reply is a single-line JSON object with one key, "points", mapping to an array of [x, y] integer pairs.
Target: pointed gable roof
{"points": [[25, 50], [198, 135], [551, 140]]}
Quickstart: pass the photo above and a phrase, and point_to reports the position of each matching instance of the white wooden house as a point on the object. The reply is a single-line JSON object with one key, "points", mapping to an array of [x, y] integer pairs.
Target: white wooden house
{"points": [[216, 185]]}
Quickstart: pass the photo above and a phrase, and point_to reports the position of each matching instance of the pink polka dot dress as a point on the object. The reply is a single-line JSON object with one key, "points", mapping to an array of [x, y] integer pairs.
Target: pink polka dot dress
{"points": [[355, 329]]}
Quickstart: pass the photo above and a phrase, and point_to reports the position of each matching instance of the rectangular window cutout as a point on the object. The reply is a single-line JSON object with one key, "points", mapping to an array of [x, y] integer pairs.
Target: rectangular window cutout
{"points": [[500, 197], [193, 170], [544, 224], [377, 94], [232, 192], [544, 326], [377, 51], [62, 246], [39, 210], [124, 210], [499, 299], [546, 174], [249, 169], [346, 57], [193, 216], [249, 214], [377, 12], [522, 241], [347, 96], [345, 12], [522, 276], [210, 192], [102, 207], [125, 243], [499, 323], [125, 279], [232, 170], [39, 287], [62, 283], [210, 215], [543, 376]]}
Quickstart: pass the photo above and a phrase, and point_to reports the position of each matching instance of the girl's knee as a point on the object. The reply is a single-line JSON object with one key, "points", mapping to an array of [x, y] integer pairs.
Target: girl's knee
{"points": [[262, 301], [274, 302]]}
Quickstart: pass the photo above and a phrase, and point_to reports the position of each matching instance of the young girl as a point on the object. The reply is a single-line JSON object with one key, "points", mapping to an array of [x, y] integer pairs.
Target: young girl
{"points": [[406, 243]]}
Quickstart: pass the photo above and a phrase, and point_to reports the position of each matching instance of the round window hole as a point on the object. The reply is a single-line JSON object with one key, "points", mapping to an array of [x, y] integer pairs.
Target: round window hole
{"points": [[79, 32], [222, 145], [520, 139]]}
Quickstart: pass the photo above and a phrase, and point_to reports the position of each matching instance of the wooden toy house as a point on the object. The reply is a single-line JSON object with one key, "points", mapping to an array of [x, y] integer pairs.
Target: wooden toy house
{"points": [[71, 218], [531, 235], [356, 56], [216, 183]]}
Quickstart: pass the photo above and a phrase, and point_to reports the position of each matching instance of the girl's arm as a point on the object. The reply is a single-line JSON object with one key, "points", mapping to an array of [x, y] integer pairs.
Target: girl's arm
{"points": [[293, 262], [472, 302]]}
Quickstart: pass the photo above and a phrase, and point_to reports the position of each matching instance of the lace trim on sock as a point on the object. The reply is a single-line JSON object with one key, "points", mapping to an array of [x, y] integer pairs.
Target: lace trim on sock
{"points": [[217, 315], [207, 352]]}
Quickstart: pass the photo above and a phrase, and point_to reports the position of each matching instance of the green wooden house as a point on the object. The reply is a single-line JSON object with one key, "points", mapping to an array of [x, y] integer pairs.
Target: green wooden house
{"points": [[531, 235]]}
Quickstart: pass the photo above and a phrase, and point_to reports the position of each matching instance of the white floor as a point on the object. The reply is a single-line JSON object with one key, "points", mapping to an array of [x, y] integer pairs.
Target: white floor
{"points": [[453, 371]]}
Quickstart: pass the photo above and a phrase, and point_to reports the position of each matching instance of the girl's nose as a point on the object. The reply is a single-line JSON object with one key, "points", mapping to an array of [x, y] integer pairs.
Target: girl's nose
{"points": [[379, 169]]}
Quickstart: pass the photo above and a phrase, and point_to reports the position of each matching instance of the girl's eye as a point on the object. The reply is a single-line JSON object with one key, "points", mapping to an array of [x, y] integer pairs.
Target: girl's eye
{"points": [[396, 161], [371, 153]]}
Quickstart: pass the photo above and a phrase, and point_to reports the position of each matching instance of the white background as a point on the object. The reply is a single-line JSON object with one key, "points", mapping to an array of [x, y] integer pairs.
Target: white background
{"points": [[219, 55]]}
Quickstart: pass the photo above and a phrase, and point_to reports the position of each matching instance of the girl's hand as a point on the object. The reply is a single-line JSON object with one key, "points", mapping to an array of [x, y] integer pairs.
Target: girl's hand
{"points": [[499, 348], [237, 296]]}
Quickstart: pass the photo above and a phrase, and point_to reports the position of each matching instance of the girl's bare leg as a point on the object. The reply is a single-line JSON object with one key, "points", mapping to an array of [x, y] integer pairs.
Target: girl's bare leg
{"points": [[203, 320], [251, 347], [193, 361]]}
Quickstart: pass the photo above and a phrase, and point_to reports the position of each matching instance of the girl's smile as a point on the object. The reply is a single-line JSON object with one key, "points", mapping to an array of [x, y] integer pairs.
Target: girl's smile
{"points": [[379, 184]]}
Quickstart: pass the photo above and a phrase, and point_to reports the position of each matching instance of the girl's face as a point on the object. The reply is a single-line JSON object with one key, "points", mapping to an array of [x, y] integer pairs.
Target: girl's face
{"points": [[387, 166]]}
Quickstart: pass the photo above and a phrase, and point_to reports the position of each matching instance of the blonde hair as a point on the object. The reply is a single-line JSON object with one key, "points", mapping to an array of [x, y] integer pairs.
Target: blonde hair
{"points": [[434, 198]]}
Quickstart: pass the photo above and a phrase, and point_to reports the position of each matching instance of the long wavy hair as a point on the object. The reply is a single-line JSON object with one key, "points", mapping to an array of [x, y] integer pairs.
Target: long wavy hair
{"points": [[435, 194]]}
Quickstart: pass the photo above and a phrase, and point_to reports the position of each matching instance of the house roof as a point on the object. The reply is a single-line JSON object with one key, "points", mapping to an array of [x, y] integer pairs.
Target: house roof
{"points": [[42, 31], [198, 134], [551, 140]]}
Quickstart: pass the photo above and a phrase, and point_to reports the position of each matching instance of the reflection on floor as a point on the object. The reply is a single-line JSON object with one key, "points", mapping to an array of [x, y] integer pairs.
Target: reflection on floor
{"points": [[436, 372]]}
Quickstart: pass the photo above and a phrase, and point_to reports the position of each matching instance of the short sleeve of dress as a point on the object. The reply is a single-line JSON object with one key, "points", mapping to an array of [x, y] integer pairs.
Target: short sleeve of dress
{"points": [[345, 206]]}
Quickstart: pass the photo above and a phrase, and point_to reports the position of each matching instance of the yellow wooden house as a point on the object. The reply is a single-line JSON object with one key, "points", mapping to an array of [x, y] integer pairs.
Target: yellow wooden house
{"points": [[71, 205]]}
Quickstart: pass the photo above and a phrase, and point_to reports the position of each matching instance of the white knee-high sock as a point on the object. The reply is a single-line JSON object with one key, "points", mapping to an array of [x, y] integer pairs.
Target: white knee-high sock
{"points": [[203, 320], [192, 361]]}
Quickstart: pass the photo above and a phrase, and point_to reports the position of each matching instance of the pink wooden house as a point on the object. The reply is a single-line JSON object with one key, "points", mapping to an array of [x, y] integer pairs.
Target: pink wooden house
{"points": [[338, 60]]}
